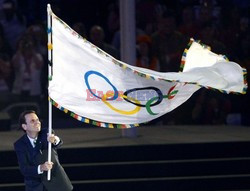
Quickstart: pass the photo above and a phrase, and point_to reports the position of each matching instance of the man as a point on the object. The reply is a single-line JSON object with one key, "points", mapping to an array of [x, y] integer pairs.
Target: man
{"points": [[13, 22], [97, 38], [168, 44], [31, 150]]}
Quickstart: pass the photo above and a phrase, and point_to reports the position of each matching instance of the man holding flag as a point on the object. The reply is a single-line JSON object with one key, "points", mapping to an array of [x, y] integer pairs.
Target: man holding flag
{"points": [[79, 69], [32, 154]]}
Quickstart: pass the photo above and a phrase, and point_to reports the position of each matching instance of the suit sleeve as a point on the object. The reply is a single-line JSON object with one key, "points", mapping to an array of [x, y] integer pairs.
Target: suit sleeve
{"points": [[59, 144]]}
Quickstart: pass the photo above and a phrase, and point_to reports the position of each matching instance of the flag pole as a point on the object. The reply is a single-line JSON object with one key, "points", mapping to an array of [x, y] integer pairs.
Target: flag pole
{"points": [[49, 77]]}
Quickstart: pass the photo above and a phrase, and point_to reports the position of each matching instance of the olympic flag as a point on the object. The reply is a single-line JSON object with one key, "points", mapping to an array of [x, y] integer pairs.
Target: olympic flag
{"points": [[96, 88]]}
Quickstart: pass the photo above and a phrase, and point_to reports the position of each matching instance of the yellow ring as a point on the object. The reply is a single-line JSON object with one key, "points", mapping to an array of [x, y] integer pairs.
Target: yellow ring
{"points": [[137, 108]]}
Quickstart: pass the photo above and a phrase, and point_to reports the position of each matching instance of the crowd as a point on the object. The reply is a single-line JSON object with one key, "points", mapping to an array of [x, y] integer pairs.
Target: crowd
{"points": [[163, 29]]}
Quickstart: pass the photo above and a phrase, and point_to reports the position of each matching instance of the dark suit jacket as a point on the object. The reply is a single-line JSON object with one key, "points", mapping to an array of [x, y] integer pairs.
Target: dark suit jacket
{"points": [[29, 158]]}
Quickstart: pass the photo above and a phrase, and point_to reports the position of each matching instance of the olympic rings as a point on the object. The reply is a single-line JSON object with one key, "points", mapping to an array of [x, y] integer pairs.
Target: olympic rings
{"points": [[114, 95], [159, 97], [171, 94], [87, 74], [148, 105], [137, 108]]}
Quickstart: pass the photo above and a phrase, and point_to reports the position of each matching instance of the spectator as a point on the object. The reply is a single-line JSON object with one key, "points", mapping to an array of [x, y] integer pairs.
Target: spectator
{"points": [[208, 36], [27, 64], [5, 49], [230, 30], [145, 58], [211, 108], [13, 23], [5, 72], [145, 22], [168, 44], [80, 28], [97, 38], [113, 20], [204, 15], [39, 37], [188, 26]]}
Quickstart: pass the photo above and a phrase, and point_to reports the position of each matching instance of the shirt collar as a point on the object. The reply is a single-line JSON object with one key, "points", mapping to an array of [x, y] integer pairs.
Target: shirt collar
{"points": [[32, 140]]}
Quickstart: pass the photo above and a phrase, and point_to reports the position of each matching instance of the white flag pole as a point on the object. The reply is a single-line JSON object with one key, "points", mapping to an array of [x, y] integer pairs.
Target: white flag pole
{"points": [[49, 76]]}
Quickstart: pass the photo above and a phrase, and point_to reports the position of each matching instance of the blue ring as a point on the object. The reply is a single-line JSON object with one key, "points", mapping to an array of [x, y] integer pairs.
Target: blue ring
{"points": [[87, 74]]}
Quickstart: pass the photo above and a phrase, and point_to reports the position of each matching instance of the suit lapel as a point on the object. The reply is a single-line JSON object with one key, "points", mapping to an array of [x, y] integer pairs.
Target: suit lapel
{"points": [[27, 142], [32, 150]]}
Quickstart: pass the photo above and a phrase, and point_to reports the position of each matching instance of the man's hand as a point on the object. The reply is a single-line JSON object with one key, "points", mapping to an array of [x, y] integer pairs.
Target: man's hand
{"points": [[51, 138], [46, 166]]}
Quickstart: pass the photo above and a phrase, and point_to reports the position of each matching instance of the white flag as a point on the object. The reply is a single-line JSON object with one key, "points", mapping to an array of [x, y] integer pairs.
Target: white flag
{"points": [[96, 88]]}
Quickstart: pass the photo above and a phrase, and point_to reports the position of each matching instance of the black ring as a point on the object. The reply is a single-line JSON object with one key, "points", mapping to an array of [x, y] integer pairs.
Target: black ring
{"points": [[160, 95]]}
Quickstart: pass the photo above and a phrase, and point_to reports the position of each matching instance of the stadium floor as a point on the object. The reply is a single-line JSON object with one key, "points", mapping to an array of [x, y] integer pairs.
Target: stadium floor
{"points": [[145, 135]]}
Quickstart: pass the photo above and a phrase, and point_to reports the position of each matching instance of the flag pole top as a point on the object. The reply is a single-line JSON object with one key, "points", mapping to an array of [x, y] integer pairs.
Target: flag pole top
{"points": [[48, 8]]}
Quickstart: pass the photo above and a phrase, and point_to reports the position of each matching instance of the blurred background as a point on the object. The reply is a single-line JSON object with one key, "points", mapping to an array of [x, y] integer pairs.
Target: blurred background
{"points": [[163, 29]]}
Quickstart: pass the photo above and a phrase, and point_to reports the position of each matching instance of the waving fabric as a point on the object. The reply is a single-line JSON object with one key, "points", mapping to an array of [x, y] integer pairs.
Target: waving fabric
{"points": [[96, 88]]}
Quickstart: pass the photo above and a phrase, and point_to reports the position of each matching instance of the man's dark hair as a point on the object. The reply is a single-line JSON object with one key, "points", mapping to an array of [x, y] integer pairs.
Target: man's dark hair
{"points": [[22, 119]]}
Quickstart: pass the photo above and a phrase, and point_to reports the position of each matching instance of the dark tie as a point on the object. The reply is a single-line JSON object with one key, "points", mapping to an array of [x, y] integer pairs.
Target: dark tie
{"points": [[35, 141]]}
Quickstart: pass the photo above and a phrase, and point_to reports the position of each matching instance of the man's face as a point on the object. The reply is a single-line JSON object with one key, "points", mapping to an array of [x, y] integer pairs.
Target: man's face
{"points": [[33, 125], [96, 36]]}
